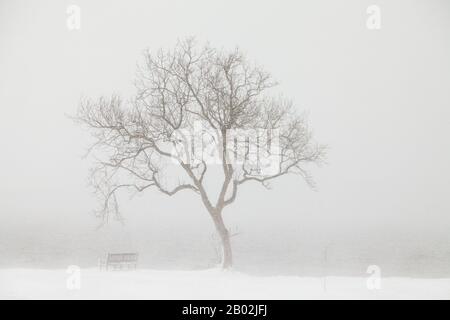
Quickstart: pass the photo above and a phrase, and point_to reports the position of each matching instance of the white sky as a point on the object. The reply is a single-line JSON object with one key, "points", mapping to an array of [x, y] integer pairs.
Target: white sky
{"points": [[379, 99]]}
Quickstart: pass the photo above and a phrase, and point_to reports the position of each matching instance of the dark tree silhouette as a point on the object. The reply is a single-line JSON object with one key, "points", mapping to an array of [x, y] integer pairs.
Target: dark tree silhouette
{"points": [[190, 102]]}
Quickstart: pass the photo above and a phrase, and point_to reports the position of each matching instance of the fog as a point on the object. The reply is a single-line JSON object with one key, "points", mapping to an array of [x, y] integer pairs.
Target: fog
{"points": [[378, 98]]}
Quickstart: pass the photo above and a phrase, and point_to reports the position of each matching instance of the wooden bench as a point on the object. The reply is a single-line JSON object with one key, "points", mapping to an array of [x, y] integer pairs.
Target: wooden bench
{"points": [[120, 261]]}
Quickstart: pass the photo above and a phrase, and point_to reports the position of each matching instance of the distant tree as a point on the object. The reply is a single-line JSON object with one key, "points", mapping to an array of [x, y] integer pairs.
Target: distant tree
{"points": [[196, 107]]}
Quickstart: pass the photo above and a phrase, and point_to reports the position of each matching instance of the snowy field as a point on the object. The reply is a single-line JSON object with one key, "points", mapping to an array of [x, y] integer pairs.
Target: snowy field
{"points": [[207, 284]]}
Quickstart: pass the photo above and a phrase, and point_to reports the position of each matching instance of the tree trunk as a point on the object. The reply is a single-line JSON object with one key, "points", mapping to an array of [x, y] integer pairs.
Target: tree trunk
{"points": [[227, 256]]}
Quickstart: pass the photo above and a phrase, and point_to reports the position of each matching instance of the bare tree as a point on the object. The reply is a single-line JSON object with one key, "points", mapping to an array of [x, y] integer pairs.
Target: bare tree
{"points": [[189, 99]]}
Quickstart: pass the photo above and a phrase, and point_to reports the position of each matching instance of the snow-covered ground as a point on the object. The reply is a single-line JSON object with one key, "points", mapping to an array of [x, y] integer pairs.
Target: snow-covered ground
{"points": [[207, 284]]}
